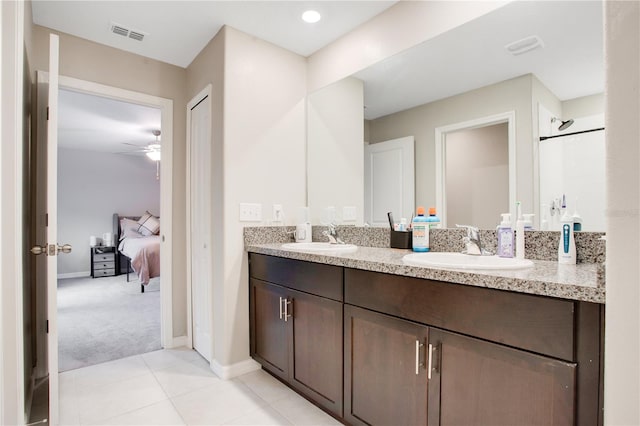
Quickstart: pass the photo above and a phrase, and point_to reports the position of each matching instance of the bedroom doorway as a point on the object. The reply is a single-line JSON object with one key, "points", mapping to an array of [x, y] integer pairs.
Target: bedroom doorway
{"points": [[162, 306]]}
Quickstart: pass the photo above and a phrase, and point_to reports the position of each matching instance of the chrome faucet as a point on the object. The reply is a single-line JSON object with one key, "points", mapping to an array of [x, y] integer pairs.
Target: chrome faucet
{"points": [[332, 234], [472, 242]]}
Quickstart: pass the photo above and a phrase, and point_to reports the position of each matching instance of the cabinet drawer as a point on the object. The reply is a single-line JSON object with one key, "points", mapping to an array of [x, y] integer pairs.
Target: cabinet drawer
{"points": [[104, 272], [99, 257], [540, 324], [104, 265], [315, 278]]}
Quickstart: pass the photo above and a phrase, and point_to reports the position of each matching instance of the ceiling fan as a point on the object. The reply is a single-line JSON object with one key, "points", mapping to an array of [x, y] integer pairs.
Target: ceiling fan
{"points": [[152, 150]]}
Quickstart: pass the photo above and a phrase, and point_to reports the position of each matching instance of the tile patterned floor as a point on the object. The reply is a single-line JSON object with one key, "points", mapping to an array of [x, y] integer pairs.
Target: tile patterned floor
{"points": [[177, 387]]}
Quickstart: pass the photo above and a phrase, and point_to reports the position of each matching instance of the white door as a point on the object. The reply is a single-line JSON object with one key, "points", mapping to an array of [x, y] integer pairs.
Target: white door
{"points": [[389, 181], [46, 219], [200, 215]]}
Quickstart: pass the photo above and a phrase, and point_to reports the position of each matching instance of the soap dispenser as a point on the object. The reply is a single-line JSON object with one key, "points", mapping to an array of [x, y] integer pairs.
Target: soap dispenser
{"points": [[505, 237], [567, 244]]}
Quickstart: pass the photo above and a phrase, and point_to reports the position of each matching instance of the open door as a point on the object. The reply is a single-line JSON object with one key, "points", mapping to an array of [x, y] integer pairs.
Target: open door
{"points": [[46, 245]]}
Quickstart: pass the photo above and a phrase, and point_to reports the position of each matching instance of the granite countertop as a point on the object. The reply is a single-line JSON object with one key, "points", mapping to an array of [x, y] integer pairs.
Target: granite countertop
{"points": [[546, 278]]}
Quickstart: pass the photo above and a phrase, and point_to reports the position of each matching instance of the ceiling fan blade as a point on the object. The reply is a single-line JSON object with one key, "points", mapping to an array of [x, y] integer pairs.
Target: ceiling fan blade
{"points": [[136, 152]]}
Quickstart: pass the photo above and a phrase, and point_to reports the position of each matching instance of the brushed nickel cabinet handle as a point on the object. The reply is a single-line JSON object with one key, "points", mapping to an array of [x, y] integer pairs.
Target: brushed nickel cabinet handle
{"points": [[286, 309], [418, 363], [281, 308], [430, 361]]}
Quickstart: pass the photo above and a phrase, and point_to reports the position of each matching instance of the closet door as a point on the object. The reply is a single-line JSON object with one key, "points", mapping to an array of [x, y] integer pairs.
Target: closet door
{"points": [[200, 220]]}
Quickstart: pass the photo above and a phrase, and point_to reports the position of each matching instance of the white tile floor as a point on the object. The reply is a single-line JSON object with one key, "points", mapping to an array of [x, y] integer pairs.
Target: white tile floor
{"points": [[176, 387]]}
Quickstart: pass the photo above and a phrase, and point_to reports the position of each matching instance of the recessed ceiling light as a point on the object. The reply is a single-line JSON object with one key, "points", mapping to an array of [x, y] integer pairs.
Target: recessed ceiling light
{"points": [[311, 16], [524, 45]]}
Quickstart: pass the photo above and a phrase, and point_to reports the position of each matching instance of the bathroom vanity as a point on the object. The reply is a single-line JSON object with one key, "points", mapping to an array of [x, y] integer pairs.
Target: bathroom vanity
{"points": [[374, 341]]}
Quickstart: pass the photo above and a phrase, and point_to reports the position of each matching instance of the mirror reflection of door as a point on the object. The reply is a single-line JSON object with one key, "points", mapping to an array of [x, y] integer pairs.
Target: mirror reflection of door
{"points": [[477, 176], [389, 181]]}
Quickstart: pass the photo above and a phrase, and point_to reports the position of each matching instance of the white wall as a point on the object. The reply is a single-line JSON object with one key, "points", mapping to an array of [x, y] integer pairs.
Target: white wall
{"points": [[583, 106], [477, 176], [335, 150], [622, 334], [91, 187], [258, 136], [264, 162]]}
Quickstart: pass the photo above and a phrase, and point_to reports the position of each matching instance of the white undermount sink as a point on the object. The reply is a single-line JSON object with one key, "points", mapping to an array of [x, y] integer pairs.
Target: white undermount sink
{"points": [[320, 247], [464, 261]]}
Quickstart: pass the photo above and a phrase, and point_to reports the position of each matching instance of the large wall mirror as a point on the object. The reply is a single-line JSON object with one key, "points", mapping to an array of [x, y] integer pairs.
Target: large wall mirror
{"points": [[510, 78]]}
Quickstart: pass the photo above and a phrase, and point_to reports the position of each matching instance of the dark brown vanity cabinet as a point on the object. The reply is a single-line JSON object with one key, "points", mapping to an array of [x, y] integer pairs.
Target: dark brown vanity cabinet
{"points": [[490, 357], [474, 382], [386, 373], [296, 325], [396, 350]]}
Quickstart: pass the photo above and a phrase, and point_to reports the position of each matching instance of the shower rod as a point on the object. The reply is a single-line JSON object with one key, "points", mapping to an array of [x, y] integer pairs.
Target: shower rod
{"points": [[544, 138]]}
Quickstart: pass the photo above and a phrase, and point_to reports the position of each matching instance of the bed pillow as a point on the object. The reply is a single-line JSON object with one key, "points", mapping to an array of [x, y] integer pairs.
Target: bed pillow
{"points": [[129, 229], [148, 224]]}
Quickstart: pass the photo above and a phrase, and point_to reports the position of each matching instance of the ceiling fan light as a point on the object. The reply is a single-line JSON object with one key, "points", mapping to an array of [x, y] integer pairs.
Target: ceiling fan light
{"points": [[154, 155]]}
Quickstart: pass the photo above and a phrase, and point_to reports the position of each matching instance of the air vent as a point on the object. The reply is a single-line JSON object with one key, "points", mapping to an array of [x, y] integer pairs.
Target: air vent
{"points": [[136, 35], [117, 29], [524, 45], [126, 32]]}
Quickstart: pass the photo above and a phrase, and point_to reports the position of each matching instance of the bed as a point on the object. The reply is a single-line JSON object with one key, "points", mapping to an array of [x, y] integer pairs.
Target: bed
{"points": [[136, 253]]}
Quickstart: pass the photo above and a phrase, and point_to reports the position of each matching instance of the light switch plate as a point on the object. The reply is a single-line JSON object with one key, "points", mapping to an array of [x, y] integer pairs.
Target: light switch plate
{"points": [[250, 212], [349, 213], [278, 213]]}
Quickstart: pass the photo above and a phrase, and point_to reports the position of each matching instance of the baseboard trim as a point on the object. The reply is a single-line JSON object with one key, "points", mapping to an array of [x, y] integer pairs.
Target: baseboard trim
{"points": [[74, 275], [177, 342], [226, 372]]}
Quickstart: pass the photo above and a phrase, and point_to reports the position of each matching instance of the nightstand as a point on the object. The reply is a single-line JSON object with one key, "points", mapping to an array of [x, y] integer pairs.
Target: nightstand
{"points": [[103, 261]]}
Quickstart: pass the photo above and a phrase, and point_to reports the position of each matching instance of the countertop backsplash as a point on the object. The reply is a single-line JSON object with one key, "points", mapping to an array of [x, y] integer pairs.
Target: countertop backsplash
{"points": [[539, 245]]}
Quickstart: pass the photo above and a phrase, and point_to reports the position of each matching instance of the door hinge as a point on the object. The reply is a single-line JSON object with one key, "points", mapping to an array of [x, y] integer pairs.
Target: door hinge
{"points": [[47, 113], [46, 219], [47, 326]]}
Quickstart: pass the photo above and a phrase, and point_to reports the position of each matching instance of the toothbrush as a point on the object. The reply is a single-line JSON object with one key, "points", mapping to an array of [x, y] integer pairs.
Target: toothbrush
{"points": [[390, 216]]}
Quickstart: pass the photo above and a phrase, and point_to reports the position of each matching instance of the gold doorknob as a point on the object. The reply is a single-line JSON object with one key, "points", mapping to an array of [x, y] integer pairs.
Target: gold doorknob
{"points": [[65, 248], [38, 250]]}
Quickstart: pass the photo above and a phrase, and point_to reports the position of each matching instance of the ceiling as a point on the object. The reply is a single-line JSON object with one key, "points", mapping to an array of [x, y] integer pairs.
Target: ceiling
{"points": [[176, 31], [95, 123], [570, 64]]}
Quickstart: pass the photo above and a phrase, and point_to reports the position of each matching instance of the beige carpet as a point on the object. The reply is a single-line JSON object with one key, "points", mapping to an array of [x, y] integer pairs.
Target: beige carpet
{"points": [[107, 318]]}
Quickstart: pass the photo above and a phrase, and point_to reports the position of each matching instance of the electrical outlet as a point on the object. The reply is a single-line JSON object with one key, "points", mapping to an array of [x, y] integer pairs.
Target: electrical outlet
{"points": [[349, 213], [250, 212], [278, 213]]}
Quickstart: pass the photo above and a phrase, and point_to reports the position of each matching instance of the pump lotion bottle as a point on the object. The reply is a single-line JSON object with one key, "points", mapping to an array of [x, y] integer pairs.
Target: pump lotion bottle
{"points": [[505, 237], [567, 245]]}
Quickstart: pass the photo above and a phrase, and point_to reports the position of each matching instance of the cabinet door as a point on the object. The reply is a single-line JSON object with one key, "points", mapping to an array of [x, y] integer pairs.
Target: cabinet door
{"points": [[474, 382], [269, 343], [385, 374], [316, 364]]}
